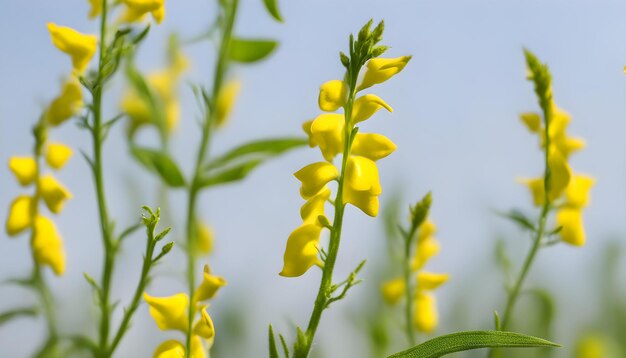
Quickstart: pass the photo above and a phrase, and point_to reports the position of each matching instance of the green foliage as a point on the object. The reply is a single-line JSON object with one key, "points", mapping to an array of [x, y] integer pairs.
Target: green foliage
{"points": [[520, 219], [228, 175], [272, 343], [17, 313], [250, 50], [160, 163], [463, 341], [272, 8], [260, 149]]}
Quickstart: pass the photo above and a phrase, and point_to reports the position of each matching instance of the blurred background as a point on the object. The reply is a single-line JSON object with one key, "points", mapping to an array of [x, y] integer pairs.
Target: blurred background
{"points": [[458, 134]]}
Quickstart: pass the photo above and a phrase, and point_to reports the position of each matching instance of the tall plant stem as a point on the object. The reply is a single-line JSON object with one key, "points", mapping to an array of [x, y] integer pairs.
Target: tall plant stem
{"points": [[221, 67]]}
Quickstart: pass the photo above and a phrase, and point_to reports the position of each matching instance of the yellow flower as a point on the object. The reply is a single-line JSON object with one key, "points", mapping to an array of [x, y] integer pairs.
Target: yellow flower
{"points": [[204, 327], [24, 169], [79, 47], [327, 132], [380, 70], [560, 174], [20, 215], [175, 349], [314, 177], [425, 318], [209, 286], [430, 281], [53, 193], [137, 9], [301, 250], [532, 121], [573, 231], [426, 230], [577, 192], [137, 110], [57, 154], [362, 185], [365, 107], [314, 207], [332, 95], [535, 185], [204, 240], [372, 146], [169, 313], [96, 8], [393, 290], [225, 102], [66, 105], [47, 245], [426, 249]]}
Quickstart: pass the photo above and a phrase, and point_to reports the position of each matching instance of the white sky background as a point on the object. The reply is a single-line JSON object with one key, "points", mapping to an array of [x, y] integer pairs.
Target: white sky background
{"points": [[455, 124]]}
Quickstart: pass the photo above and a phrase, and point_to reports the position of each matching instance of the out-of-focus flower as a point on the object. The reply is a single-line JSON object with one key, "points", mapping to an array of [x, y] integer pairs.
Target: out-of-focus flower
{"points": [[78, 46], [47, 245], [66, 105], [136, 10], [225, 101], [54, 194], [57, 154], [24, 169]]}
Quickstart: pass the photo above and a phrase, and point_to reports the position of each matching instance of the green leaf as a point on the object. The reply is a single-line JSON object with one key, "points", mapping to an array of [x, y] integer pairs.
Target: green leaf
{"points": [[272, 342], [520, 219], [160, 163], [261, 149], [272, 7], [17, 313], [248, 51], [462, 341], [230, 175]]}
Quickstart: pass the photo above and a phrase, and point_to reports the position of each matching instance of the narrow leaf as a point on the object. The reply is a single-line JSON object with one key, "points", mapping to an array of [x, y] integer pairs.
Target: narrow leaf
{"points": [[462, 341], [272, 343], [272, 7], [520, 218], [248, 51], [160, 163], [230, 175], [262, 148], [17, 313]]}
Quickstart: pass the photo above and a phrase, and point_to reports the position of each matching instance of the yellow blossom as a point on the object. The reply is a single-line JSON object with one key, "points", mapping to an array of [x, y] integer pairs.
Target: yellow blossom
{"points": [[137, 9], [204, 240], [79, 47], [426, 249], [362, 185], [372, 146], [327, 132], [47, 245], [96, 8], [57, 154], [425, 318], [314, 177], [20, 215], [66, 105], [577, 192], [169, 313], [430, 281], [24, 169], [380, 70], [301, 250], [225, 101], [53, 193], [536, 187], [365, 107], [532, 121], [427, 229], [175, 349], [209, 286], [393, 290], [314, 207], [573, 231], [204, 327], [332, 95]]}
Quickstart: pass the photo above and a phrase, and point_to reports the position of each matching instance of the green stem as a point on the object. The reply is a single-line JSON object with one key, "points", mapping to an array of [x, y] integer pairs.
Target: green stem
{"points": [[335, 235], [408, 284], [221, 67]]}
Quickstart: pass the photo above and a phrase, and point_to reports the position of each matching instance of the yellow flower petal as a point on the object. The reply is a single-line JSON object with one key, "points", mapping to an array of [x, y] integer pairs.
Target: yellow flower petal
{"points": [[362, 175], [170, 349], [47, 245], [57, 154], [560, 174], [67, 104], [426, 230], [372, 146], [425, 318], [532, 121], [332, 95], [79, 47], [301, 250], [169, 313], [380, 70], [209, 286], [204, 327], [327, 132], [24, 169], [314, 177], [365, 107], [96, 8], [426, 249], [137, 9], [535, 185], [573, 231], [20, 215], [204, 241], [393, 290], [306, 127], [577, 192], [53, 193], [430, 281], [225, 102], [314, 207], [364, 200]]}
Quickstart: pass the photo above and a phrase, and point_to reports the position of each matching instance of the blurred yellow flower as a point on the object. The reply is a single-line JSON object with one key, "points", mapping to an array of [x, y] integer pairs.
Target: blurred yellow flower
{"points": [[95, 8], [430, 281], [333, 95], [57, 154], [393, 290], [20, 215], [573, 231], [47, 245], [301, 251], [53, 193], [79, 47], [175, 349], [67, 104], [136, 10], [204, 241], [225, 101], [24, 169], [425, 318], [169, 313], [380, 70]]}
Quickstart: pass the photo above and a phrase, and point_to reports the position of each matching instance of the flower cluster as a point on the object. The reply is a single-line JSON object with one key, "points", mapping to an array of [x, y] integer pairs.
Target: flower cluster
{"points": [[172, 313], [568, 191], [24, 214], [333, 134], [425, 317]]}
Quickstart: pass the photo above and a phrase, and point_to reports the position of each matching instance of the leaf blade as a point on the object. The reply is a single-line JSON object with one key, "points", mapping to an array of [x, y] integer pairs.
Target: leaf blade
{"points": [[161, 164], [265, 147], [251, 50], [272, 7]]}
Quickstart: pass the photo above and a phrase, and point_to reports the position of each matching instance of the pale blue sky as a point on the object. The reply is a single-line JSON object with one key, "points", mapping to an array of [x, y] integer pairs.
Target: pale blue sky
{"points": [[455, 124]]}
